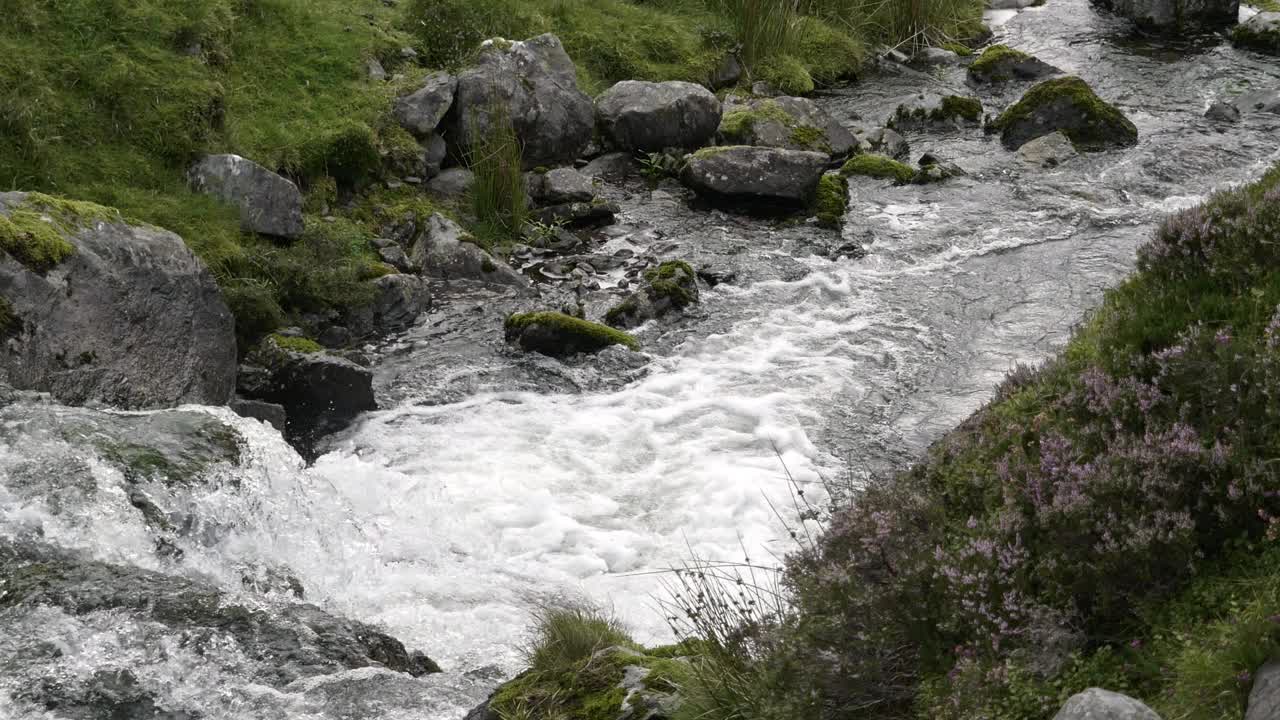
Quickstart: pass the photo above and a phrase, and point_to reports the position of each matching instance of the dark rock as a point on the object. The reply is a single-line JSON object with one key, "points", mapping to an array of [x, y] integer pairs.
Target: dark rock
{"points": [[292, 641], [536, 86], [760, 176], [270, 413], [105, 695], [578, 214], [400, 299], [269, 204], [669, 287], [648, 117], [445, 251], [616, 165], [1099, 704], [483, 712], [1070, 106], [335, 336], [1260, 32], [559, 185], [1175, 14], [1223, 112], [395, 256], [785, 122], [726, 74], [1264, 698], [421, 111], [434, 151], [1001, 63], [560, 335], [935, 56], [452, 183], [930, 110], [125, 315]]}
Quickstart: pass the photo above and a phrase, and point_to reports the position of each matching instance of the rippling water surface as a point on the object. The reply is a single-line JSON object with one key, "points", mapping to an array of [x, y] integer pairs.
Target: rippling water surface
{"points": [[493, 479]]}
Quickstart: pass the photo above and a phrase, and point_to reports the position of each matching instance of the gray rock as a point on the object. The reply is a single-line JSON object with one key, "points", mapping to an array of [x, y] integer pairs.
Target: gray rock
{"points": [[1259, 101], [289, 642], [1176, 14], [452, 183], [1260, 32], [535, 85], [1068, 105], [269, 204], [1223, 112], [756, 175], [611, 165], [1099, 704], [374, 70], [559, 185], [1264, 698], [558, 335], [395, 256], [1011, 4], [104, 695], [882, 141], [443, 251], [434, 150], [791, 123], [935, 56], [131, 317], [648, 117], [1009, 66], [726, 74], [760, 88], [400, 300], [665, 289], [931, 110], [270, 413], [578, 214], [421, 111], [1048, 151]]}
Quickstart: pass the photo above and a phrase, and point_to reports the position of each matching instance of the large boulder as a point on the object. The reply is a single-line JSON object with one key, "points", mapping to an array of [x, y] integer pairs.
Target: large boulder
{"points": [[559, 185], [269, 204], [1175, 14], [1001, 63], [1068, 105], [560, 335], [670, 287], [1264, 698], [534, 85], [649, 117], [758, 176], [791, 123], [447, 252], [95, 309], [1099, 704], [1260, 32], [421, 111]]}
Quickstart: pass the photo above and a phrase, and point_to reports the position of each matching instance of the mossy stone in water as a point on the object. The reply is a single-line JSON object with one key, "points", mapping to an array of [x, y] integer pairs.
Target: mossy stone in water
{"points": [[1001, 63], [878, 166], [1069, 105], [832, 199], [1261, 33], [559, 335]]}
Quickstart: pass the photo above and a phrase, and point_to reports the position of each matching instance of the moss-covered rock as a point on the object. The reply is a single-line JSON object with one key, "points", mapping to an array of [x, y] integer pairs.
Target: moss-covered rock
{"points": [[832, 199], [878, 166], [787, 74], [669, 287], [34, 231], [1001, 63], [559, 335], [1067, 104], [785, 122], [928, 111], [1260, 32]]}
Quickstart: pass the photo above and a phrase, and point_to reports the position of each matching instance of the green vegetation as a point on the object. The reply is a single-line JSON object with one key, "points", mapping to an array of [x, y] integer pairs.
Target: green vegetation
{"points": [[832, 199], [1264, 41], [34, 232], [994, 63], [739, 125], [296, 344], [569, 634], [950, 108], [1104, 124], [10, 323], [499, 199], [878, 166], [575, 330], [673, 280]]}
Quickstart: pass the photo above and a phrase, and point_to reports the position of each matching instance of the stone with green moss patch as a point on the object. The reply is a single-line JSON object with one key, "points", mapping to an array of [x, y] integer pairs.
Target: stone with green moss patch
{"points": [[787, 74], [34, 232], [670, 287], [785, 122], [559, 335], [1067, 104], [1260, 32], [878, 166], [296, 344], [933, 110], [1001, 63], [832, 199]]}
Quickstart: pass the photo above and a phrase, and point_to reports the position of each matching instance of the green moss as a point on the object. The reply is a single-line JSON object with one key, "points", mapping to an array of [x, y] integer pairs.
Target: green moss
{"points": [[206, 443], [665, 282], [787, 74], [10, 323], [34, 232], [1104, 124], [1261, 41], [878, 166], [710, 152], [810, 138], [955, 106], [297, 344], [993, 56], [832, 199], [594, 333], [830, 54], [737, 125], [621, 310], [957, 48]]}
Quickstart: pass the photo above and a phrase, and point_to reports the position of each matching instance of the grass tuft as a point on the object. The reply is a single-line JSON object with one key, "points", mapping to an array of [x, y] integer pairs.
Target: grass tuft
{"points": [[499, 198]]}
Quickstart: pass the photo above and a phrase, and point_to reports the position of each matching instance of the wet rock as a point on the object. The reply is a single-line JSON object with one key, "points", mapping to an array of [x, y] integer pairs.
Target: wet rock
{"points": [[447, 252], [726, 74], [105, 695], [269, 413], [1223, 112], [784, 122], [1001, 63], [95, 309], [399, 300], [764, 177], [420, 112], [1011, 4], [883, 141], [321, 393], [667, 288], [290, 641], [934, 170], [930, 110], [395, 256], [536, 86], [649, 117], [1260, 32], [269, 204], [616, 165], [558, 186], [452, 183], [1099, 704], [1175, 14], [1048, 151], [1264, 698], [1068, 105], [1259, 101], [560, 335], [578, 214], [935, 56]]}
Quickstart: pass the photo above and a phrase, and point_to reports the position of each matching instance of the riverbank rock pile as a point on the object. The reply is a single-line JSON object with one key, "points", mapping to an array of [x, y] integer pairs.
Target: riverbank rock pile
{"points": [[1175, 15]]}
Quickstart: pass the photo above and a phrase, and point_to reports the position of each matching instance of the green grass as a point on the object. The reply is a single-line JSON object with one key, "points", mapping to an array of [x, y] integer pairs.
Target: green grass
{"points": [[499, 199], [567, 634]]}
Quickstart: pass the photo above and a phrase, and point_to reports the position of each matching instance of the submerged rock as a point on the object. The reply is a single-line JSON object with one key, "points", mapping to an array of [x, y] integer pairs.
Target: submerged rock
{"points": [[755, 178], [1175, 14], [420, 112], [785, 122], [398, 301], [534, 85], [649, 117], [1260, 32], [269, 204], [288, 641], [1001, 63], [1223, 112], [560, 335], [95, 309], [667, 288], [1099, 704], [1068, 105]]}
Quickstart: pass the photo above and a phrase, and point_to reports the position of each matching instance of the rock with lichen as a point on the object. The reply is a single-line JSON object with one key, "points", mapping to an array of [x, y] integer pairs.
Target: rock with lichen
{"points": [[668, 288], [269, 204], [790, 123], [1067, 105]]}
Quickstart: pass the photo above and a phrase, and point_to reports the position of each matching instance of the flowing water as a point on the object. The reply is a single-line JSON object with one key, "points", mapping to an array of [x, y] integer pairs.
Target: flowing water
{"points": [[495, 479]]}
